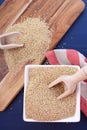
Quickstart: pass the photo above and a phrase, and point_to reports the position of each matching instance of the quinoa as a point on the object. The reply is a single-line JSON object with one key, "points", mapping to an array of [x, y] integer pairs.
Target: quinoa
{"points": [[35, 35], [41, 103]]}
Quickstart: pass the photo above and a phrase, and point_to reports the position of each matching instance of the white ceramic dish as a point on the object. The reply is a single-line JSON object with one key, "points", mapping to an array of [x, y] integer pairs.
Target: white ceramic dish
{"points": [[75, 118]]}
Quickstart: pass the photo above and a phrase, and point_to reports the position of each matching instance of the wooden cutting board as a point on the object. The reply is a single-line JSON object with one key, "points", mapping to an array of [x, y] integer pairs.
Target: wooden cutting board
{"points": [[59, 14]]}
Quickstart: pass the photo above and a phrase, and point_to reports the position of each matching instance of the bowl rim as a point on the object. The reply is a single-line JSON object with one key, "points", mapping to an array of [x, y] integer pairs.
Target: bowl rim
{"points": [[75, 117]]}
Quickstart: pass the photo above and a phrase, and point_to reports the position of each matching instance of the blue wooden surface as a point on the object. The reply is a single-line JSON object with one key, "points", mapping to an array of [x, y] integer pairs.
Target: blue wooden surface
{"points": [[12, 117], [1, 1]]}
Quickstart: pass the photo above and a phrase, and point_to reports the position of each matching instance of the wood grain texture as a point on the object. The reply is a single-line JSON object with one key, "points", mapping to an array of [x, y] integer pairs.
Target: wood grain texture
{"points": [[7, 91], [10, 86], [3, 66], [10, 12], [60, 15]]}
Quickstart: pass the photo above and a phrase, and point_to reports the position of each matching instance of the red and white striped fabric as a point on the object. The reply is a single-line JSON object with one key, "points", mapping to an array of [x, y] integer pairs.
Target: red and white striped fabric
{"points": [[70, 57], [66, 57]]}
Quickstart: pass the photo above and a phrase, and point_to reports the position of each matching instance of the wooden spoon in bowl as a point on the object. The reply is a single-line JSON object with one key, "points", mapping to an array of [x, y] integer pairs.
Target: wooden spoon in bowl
{"points": [[70, 82]]}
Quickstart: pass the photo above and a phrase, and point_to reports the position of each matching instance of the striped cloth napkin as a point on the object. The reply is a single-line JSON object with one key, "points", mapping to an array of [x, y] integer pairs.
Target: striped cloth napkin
{"points": [[70, 57], [66, 57]]}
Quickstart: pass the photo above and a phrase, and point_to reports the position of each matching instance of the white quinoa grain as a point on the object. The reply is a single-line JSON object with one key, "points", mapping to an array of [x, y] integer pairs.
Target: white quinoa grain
{"points": [[36, 37], [41, 103]]}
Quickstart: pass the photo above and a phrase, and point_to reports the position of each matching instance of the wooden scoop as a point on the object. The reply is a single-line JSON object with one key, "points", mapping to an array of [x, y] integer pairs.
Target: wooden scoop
{"points": [[6, 40], [70, 81]]}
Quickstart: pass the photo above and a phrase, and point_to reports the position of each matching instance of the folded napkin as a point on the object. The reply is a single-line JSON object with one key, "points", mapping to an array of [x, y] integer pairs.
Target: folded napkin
{"points": [[66, 57]]}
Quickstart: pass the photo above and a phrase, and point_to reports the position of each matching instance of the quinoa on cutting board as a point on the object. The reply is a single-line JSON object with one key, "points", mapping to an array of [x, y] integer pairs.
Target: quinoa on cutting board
{"points": [[36, 37]]}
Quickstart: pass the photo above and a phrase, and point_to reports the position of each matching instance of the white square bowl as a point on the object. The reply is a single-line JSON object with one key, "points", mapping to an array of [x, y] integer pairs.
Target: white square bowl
{"points": [[74, 118]]}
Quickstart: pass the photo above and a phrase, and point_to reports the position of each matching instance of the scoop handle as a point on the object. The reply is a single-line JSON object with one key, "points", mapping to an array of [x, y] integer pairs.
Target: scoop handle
{"points": [[80, 75], [10, 46]]}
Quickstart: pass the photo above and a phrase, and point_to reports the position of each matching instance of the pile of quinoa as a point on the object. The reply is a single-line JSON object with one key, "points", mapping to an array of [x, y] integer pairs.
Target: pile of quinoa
{"points": [[36, 37]]}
